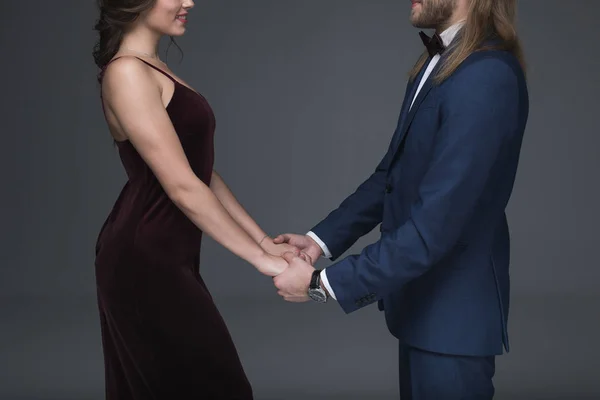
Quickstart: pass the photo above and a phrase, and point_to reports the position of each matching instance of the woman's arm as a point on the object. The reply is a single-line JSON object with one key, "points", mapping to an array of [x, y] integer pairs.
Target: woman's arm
{"points": [[235, 209], [241, 216], [134, 97]]}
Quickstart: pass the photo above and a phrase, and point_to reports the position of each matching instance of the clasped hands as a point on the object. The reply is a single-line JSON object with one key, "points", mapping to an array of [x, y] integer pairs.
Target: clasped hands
{"points": [[292, 258]]}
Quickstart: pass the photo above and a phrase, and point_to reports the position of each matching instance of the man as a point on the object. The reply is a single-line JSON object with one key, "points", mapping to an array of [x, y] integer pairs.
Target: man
{"points": [[440, 268]]}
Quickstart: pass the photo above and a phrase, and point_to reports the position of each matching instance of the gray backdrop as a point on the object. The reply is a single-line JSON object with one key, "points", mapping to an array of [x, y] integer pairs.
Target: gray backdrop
{"points": [[306, 94]]}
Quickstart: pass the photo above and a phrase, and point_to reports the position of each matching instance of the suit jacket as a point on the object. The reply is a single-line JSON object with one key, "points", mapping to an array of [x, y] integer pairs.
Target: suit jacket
{"points": [[440, 269]]}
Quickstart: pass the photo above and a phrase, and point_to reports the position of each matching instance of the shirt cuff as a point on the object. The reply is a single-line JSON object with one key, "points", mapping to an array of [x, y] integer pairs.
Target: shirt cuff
{"points": [[326, 284], [322, 245]]}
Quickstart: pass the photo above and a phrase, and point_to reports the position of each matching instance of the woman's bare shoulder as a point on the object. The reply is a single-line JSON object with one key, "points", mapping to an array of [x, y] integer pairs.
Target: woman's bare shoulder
{"points": [[127, 73]]}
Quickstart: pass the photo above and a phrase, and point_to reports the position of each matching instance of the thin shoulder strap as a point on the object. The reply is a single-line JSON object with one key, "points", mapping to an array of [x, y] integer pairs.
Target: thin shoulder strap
{"points": [[145, 62], [114, 59], [156, 68]]}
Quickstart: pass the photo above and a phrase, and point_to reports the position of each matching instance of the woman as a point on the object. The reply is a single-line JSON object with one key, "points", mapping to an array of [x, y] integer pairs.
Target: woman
{"points": [[163, 337]]}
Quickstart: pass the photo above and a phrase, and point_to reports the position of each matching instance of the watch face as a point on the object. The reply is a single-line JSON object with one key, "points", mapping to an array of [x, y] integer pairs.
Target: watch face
{"points": [[317, 295]]}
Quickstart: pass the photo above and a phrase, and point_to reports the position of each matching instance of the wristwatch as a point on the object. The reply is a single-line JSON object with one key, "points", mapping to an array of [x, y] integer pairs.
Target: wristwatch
{"points": [[315, 291]]}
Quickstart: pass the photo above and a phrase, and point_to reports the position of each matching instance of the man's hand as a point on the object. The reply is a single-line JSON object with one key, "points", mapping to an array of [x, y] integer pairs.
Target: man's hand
{"points": [[294, 281], [305, 243]]}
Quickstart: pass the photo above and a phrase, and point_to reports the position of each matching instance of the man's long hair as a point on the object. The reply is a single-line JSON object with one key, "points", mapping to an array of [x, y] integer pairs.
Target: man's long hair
{"points": [[486, 19]]}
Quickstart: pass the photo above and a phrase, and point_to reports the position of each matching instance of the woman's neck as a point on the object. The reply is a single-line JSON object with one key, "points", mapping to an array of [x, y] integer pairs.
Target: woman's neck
{"points": [[141, 41]]}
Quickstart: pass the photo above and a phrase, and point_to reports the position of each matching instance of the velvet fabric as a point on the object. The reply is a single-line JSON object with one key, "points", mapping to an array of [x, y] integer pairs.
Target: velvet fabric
{"points": [[162, 335]]}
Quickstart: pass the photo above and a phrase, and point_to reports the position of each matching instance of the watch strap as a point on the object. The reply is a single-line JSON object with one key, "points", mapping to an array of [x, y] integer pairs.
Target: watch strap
{"points": [[315, 280]]}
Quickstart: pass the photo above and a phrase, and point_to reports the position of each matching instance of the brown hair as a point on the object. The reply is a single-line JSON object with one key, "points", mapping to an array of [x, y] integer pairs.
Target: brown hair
{"points": [[486, 19], [115, 15]]}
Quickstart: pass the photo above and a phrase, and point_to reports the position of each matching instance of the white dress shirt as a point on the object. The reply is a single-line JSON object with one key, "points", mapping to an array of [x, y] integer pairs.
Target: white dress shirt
{"points": [[447, 37]]}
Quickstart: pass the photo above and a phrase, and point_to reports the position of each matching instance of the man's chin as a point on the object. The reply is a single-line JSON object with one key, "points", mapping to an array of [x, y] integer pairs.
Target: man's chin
{"points": [[416, 23], [421, 25]]}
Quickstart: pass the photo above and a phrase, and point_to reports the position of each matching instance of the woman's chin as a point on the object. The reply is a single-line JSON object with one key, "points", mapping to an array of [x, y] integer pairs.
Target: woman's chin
{"points": [[177, 32]]}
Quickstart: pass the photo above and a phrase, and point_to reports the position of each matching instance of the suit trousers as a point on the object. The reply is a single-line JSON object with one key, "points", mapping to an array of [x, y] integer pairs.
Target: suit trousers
{"points": [[426, 375]]}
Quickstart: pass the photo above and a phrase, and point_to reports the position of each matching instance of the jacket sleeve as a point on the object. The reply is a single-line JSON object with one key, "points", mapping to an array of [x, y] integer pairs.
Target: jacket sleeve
{"points": [[357, 215]]}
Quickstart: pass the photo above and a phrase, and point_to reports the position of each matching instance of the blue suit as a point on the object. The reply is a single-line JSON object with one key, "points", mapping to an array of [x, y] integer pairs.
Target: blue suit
{"points": [[440, 270]]}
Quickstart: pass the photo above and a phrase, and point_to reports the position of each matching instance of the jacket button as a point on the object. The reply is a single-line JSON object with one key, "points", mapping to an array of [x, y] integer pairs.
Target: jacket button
{"points": [[388, 188]]}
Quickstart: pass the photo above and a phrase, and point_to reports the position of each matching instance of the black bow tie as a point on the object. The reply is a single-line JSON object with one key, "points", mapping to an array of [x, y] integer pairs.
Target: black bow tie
{"points": [[434, 44]]}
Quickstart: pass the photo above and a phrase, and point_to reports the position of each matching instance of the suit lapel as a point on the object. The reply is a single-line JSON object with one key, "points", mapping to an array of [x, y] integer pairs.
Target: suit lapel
{"points": [[411, 95], [411, 89], [409, 113]]}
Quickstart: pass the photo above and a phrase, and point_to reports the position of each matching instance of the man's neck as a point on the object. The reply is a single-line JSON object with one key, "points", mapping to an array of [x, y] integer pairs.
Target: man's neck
{"points": [[450, 32], [450, 23]]}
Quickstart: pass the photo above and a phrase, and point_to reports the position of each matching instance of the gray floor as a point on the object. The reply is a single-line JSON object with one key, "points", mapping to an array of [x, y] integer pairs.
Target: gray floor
{"points": [[50, 349]]}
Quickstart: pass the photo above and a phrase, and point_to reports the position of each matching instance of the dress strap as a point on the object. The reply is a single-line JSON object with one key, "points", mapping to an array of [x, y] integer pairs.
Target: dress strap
{"points": [[144, 61], [156, 68]]}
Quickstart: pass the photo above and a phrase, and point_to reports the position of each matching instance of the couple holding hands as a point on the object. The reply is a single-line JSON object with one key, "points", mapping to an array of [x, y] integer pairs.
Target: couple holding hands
{"points": [[439, 270]]}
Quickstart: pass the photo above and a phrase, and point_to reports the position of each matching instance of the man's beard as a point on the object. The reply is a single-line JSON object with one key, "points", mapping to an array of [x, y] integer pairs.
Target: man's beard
{"points": [[433, 14]]}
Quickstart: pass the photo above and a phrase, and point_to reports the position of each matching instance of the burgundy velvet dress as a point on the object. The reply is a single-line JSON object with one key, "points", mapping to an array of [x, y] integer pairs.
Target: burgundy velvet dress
{"points": [[162, 335]]}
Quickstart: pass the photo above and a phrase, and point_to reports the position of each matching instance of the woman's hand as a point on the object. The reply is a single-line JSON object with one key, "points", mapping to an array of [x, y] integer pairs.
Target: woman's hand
{"points": [[311, 251], [271, 265], [271, 247]]}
